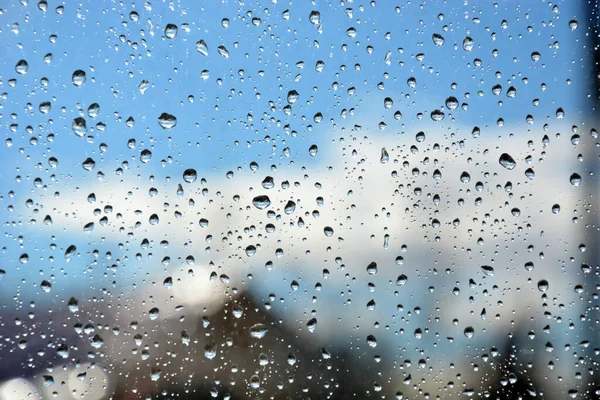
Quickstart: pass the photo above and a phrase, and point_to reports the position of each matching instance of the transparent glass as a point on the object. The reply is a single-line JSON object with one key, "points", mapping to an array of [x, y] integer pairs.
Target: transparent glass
{"points": [[278, 199]]}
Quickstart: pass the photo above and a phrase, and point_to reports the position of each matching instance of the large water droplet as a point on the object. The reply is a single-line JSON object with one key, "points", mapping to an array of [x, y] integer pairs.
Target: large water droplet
{"points": [[315, 17], [292, 96], [507, 161], [78, 77], [21, 67], [79, 126], [171, 31], [438, 39], [201, 47], [167, 121], [258, 331], [190, 175], [261, 202]]}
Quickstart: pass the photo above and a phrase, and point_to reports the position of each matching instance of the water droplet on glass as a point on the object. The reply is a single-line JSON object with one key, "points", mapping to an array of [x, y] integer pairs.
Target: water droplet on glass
{"points": [[78, 77], [469, 332], [190, 175], [542, 285], [222, 50], [93, 110], [573, 24], [575, 179], [438, 39], [372, 268], [452, 103], [465, 177], [315, 17], [292, 97], [46, 286], [258, 331], [289, 207], [261, 202], [385, 157], [488, 270], [507, 161], [153, 313], [210, 351], [145, 156], [167, 121], [468, 43], [437, 115], [88, 164], [70, 253], [79, 126], [201, 47], [21, 67], [371, 341], [171, 31]]}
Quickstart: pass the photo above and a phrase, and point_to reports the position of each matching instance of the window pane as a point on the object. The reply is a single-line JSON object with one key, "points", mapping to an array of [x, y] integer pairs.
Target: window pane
{"points": [[276, 199]]}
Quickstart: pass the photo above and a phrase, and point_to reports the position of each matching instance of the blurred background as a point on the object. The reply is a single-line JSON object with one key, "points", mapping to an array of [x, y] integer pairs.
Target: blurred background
{"points": [[315, 200]]}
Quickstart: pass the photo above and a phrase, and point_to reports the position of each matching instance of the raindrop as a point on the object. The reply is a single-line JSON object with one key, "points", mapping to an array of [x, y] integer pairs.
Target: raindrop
{"points": [[292, 97], [507, 161], [210, 351], [46, 286], [452, 103], [315, 17], [201, 47], [372, 268], [167, 121], [79, 126], [145, 156], [469, 332], [437, 115], [438, 39], [465, 177], [468, 43], [153, 313], [488, 270], [261, 202], [573, 24], [78, 77], [171, 31], [88, 164], [190, 175], [385, 157], [575, 179], [70, 253], [222, 50], [21, 67], [258, 331]]}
